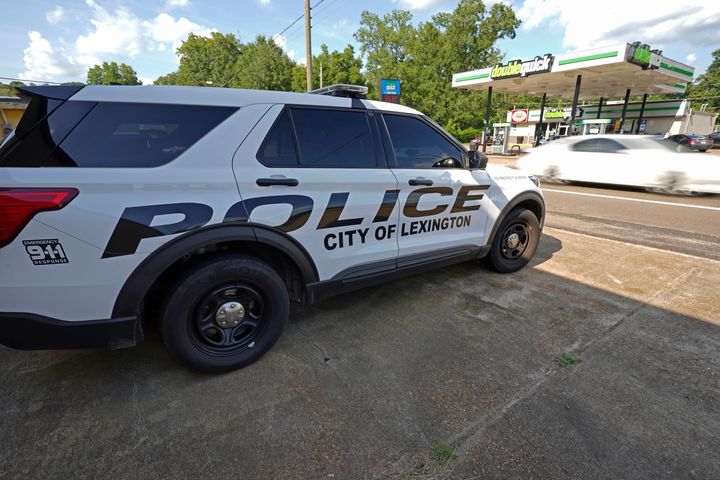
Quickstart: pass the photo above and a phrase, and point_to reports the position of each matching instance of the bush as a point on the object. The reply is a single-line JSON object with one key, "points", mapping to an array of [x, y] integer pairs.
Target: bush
{"points": [[465, 135]]}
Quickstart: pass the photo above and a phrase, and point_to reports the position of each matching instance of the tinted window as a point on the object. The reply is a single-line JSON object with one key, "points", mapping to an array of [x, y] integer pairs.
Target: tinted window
{"points": [[137, 134], [278, 149], [333, 138], [417, 145], [36, 146], [599, 145]]}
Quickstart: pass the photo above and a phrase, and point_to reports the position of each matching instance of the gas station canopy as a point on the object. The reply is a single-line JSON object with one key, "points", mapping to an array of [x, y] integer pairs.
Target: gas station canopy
{"points": [[606, 72]]}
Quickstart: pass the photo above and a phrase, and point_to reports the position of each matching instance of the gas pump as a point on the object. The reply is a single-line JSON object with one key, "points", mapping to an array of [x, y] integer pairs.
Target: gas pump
{"points": [[501, 138]]}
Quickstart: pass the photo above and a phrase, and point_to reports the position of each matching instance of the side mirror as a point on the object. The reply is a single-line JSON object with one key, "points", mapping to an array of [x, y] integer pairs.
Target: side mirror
{"points": [[478, 160]]}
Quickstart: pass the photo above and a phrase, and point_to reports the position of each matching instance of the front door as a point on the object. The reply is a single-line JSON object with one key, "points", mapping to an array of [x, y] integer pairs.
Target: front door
{"points": [[443, 204]]}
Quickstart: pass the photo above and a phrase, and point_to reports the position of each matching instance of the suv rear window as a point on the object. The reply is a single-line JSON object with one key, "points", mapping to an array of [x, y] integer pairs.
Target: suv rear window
{"points": [[112, 135], [333, 138]]}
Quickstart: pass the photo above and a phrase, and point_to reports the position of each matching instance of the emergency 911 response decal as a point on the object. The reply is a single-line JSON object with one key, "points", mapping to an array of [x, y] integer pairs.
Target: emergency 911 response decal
{"points": [[135, 223], [45, 252]]}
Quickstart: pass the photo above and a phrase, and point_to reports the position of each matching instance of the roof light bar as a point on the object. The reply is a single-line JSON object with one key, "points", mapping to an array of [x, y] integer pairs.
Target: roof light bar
{"points": [[343, 90]]}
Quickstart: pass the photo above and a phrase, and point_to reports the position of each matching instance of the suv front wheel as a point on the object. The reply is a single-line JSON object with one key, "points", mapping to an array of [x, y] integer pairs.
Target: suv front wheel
{"points": [[224, 314], [515, 241]]}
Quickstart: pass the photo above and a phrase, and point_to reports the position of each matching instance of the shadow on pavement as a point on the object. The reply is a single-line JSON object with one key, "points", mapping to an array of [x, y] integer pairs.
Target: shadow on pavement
{"points": [[365, 384]]}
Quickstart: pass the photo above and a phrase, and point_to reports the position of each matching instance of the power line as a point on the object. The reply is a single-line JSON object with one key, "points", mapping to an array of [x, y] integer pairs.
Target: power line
{"points": [[295, 21]]}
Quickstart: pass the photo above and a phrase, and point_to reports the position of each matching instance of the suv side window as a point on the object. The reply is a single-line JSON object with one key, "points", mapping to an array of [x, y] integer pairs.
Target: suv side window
{"points": [[136, 135], [417, 145], [278, 149], [333, 138]]}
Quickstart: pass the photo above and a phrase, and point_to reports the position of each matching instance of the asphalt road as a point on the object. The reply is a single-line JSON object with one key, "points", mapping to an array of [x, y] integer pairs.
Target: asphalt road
{"points": [[689, 225]]}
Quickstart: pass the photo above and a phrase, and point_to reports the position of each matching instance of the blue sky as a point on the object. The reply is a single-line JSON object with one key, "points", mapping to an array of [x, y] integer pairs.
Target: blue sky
{"points": [[59, 40]]}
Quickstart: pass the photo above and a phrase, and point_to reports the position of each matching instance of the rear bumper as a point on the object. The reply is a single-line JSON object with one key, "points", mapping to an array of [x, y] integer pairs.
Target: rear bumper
{"points": [[26, 331]]}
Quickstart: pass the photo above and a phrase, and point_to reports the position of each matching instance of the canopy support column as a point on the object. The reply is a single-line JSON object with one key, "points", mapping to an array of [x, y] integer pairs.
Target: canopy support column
{"points": [[576, 96], [488, 105], [642, 112], [539, 128], [624, 110], [599, 111]]}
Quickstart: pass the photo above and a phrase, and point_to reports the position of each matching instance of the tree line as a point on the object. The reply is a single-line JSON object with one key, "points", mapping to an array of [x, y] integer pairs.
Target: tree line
{"points": [[422, 56]]}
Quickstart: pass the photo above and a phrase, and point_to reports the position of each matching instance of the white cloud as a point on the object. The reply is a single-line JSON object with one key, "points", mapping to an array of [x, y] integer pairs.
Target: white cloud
{"points": [[55, 15], [113, 35], [117, 33], [45, 61], [166, 29], [264, 3], [691, 57], [281, 41], [420, 4], [170, 4], [146, 80], [666, 22]]}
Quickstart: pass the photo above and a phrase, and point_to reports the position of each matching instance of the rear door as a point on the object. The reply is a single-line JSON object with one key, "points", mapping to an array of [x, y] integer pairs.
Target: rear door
{"points": [[443, 204], [320, 175]]}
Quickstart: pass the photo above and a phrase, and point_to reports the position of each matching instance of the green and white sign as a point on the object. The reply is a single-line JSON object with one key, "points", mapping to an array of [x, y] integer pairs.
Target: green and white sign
{"points": [[518, 68]]}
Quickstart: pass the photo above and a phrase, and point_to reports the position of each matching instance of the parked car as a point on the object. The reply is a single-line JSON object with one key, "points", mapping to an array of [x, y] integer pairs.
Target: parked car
{"points": [[210, 211], [715, 137], [636, 160], [692, 141]]}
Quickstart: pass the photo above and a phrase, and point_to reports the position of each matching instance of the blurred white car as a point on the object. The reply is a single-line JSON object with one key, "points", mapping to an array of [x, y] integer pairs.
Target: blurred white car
{"points": [[636, 160]]}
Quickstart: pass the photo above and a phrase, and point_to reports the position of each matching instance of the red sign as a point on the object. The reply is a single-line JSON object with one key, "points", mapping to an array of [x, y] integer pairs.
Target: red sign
{"points": [[519, 116], [391, 98]]}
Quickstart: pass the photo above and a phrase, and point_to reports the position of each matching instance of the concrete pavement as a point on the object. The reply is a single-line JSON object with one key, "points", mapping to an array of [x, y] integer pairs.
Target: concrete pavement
{"points": [[364, 385]]}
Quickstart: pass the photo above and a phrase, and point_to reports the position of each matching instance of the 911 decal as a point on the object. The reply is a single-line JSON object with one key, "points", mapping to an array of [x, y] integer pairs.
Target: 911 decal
{"points": [[45, 252]]}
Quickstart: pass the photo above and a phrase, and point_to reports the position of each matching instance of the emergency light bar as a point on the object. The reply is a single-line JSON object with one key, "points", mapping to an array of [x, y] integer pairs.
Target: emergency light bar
{"points": [[343, 90]]}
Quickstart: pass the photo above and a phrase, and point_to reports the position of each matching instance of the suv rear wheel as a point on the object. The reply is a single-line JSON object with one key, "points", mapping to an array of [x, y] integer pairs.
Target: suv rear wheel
{"points": [[515, 241], [224, 314]]}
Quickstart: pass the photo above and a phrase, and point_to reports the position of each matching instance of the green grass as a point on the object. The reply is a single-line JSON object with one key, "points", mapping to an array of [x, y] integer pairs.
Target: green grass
{"points": [[565, 360], [444, 452]]}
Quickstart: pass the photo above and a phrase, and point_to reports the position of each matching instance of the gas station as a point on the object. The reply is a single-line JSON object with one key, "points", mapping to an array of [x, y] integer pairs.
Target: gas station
{"points": [[591, 76]]}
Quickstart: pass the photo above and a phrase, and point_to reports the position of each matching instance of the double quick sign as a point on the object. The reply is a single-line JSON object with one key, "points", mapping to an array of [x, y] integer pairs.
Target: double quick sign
{"points": [[518, 68]]}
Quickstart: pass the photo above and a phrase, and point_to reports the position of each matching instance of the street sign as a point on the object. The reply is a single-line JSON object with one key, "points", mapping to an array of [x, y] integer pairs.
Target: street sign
{"points": [[390, 90]]}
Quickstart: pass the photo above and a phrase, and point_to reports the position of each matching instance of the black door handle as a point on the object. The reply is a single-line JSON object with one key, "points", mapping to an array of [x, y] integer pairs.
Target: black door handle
{"points": [[269, 182], [420, 181]]}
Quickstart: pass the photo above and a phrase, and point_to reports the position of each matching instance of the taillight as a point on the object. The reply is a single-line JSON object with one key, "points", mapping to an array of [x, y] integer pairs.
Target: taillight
{"points": [[692, 142], [19, 205]]}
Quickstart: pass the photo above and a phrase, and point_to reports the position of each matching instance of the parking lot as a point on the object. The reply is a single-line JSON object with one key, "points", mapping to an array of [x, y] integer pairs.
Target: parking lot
{"points": [[366, 385]]}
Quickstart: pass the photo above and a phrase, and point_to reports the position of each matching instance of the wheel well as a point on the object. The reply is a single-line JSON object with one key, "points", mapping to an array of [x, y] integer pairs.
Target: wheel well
{"points": [[286, 268], [534, 206]]}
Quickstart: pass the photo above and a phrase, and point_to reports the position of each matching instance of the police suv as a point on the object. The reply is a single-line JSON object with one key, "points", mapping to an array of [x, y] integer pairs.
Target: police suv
{"points": [[212, 210]]}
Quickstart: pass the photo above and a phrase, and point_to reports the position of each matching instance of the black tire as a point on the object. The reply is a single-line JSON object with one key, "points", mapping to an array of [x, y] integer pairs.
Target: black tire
{"points": [[505, 256], [256, 306], [703, 150]]}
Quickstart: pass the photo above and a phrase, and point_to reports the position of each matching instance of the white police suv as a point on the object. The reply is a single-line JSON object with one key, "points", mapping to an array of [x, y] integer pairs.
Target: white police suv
{"points": [[210, 210]]}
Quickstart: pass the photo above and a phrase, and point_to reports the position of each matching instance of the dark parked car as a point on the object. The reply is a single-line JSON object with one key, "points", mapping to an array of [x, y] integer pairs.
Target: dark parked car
{"points": [[692, 141], [715, 137]]}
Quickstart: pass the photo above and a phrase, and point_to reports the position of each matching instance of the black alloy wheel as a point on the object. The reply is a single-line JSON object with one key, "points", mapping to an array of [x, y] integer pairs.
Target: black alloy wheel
{"points": [[229, 318], [224, 313], [515, 241]]}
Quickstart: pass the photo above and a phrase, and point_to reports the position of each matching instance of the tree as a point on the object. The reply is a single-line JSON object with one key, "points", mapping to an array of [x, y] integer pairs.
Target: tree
{"points": [[337, 67], [426, 56], [112, 73], [207, 60], [263, 66], [706, 89]]}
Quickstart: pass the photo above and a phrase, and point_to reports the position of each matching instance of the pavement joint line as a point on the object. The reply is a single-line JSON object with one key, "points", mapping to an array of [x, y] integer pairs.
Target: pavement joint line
{"points": [[654, 249], [614, 197]]}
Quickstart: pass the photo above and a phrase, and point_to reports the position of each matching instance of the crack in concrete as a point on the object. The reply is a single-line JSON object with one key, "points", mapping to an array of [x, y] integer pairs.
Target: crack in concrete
{"points": [[472, 434]]}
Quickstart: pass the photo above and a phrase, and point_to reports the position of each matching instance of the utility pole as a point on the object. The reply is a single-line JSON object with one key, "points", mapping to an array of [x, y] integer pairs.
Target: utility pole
{"points": [[308, 47]]}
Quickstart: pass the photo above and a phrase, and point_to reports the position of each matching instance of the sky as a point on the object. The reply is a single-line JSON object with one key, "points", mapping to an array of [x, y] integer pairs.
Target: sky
{"points": [[59, 40]]}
